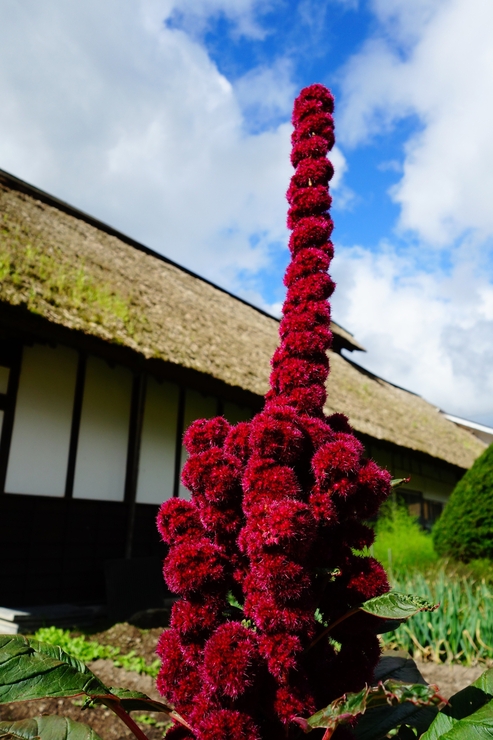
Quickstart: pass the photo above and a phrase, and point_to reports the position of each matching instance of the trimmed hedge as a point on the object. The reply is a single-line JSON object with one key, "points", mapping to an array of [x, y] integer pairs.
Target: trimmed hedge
{"points": [[465, 529]]}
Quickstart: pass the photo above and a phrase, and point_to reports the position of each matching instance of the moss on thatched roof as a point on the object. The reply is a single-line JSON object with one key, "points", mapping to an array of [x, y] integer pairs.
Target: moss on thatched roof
{"points": [[79, 274]]}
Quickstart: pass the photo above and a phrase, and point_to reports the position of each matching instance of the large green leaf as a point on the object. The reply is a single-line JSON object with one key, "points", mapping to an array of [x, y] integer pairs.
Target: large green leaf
{"points": [[33, 670], [478, 726], [465, 710], [394, 605], [46, 728], [376, 722], [350, 706]]}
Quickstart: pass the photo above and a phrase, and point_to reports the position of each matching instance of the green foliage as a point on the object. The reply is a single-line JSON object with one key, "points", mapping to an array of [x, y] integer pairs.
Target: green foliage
{"points": [[461, 630], [387, 694], [34, 670], [86, 650], [465, 529], [400, 542], [46, 728]]}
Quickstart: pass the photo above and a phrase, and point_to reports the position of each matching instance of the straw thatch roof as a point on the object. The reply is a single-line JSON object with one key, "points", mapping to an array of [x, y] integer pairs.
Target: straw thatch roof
{"points": [[80, 274]]}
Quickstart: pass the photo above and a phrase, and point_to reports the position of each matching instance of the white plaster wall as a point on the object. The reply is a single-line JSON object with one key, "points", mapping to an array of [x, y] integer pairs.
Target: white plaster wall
{"points": [[103, 437], [158, 443], [42, 422]]}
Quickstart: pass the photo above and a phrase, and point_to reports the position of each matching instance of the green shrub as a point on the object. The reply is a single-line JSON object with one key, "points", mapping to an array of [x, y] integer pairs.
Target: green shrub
{"points": [[465, 529], [401, 544]]}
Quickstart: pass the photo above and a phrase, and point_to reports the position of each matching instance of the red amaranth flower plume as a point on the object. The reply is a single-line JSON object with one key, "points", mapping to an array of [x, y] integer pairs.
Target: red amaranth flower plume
{"points": [[277, 511]]}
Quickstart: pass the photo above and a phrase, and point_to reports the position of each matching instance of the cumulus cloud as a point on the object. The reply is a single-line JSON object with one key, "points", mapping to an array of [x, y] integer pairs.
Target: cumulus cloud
{"points": [[425, 332], [422, 303], [433, 60], [107, 107]]}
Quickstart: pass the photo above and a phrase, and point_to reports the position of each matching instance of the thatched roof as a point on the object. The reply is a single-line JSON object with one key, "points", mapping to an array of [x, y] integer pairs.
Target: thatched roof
{"points": [[80, 274]]}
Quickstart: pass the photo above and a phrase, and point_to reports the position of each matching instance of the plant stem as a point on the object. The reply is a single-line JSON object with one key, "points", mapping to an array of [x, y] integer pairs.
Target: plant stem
{"points": [[117, 708], [331, 627]]}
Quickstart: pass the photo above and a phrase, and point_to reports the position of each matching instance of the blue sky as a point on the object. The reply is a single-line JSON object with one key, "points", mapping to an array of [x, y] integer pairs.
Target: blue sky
{"points": [[169, 119]]}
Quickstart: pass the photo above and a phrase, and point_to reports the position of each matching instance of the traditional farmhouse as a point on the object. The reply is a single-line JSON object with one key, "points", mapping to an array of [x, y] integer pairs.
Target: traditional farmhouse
{"points": [[107, 352]]}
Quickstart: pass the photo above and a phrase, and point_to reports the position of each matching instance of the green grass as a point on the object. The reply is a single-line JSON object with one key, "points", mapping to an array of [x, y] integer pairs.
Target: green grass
{"points": [[86, 650], [459, 631]]}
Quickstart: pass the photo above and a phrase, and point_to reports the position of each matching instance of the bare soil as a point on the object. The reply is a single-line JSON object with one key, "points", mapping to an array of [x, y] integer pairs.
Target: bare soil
{"points": [[449, 679]]}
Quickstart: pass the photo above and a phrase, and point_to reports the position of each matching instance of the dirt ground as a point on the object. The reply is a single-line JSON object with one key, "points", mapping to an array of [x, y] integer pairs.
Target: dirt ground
{"points": [[449, 678]]}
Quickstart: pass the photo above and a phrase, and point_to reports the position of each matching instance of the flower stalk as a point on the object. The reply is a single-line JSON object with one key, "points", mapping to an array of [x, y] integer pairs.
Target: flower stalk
{"points": [[277, 514]]}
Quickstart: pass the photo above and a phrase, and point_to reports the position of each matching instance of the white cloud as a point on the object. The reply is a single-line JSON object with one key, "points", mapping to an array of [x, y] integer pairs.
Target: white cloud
{"points": [[433, 59], [426, 317], [106, 107], [428, 333]]}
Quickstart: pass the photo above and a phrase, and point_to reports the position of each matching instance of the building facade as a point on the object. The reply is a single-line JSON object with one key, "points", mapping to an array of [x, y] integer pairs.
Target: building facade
{"points": [[108, 352]]}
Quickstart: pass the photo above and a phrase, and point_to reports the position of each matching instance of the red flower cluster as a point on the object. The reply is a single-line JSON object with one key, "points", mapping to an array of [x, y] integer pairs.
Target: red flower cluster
{"points": [[276, 513]]}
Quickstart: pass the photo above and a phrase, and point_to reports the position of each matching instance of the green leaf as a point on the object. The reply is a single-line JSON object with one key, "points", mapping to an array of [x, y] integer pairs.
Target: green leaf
{"points": [[233, 601], [464, 706], [478, 726], [394, 605], [34, 670], [350, 706], [133, 701], [46, 728], [397, 482], [375, 724]]}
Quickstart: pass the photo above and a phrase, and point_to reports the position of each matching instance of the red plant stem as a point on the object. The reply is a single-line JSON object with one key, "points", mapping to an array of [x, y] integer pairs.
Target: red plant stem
{"points": [[331, 626], [117, 708]]}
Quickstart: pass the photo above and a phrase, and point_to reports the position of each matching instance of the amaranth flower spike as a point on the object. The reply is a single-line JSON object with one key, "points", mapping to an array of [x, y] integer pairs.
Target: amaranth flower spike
{"points": [[276, 514]]}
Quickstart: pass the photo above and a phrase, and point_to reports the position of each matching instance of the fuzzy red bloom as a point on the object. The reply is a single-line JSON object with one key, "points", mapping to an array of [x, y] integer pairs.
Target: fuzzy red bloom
{"points": [[277, 513], [308, 343], [237, 442], [221, 520], [177, 681], [317, 146], [307, 201], [315, 123], [285, 578], [323, 507], [227, 724], [205, 433], [307, 261], [213, 473], [293, 701], [266, 481], [296, 372], [312, 231], [311, 99], [316, 287], [368, 579], [287, 524], [309, 317], [178, 520], [192, 617], [339, 457], [231, 659], [310, 399], [277, 438], [313, 172], [281, 652], [190, 566], [272, 616]]}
